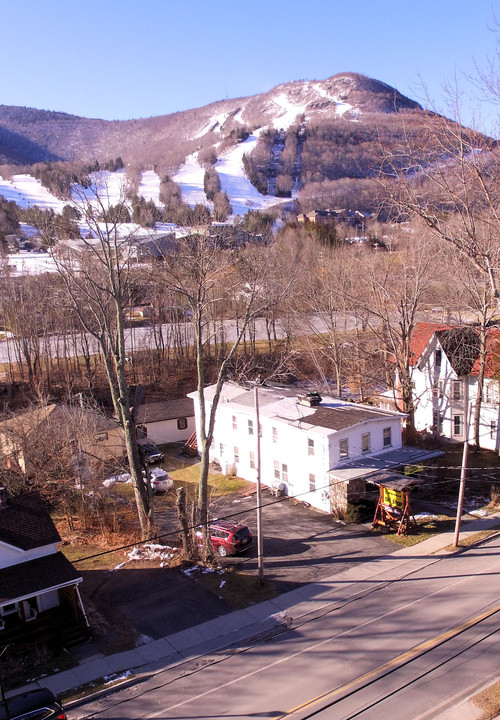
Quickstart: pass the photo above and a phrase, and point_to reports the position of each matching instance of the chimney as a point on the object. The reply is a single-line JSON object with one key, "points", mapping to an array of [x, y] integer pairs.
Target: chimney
{"points": [[3, 497]]}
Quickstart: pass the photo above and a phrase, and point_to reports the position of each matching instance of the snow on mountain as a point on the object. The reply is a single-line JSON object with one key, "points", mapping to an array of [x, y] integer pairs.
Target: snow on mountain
{"points": [[190, 178], [341, 106], [289, 111], [149, 187], [26, 191], [214, 124], [242, 195], [240, 191], [108, 186]]}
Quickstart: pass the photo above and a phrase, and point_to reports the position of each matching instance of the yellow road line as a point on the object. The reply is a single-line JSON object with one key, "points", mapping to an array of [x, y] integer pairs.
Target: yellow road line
{"points": [[391, 664]]}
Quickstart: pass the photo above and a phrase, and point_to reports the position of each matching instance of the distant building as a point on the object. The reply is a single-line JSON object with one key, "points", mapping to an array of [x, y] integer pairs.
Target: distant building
{"points": [[445, 377], [169, 421], [356, 218]]}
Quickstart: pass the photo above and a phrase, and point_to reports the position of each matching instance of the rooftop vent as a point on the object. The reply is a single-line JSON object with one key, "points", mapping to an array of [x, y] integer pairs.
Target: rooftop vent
{"points": [[312, 399]]}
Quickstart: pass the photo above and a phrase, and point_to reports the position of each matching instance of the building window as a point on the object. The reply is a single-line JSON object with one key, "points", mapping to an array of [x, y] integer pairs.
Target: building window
{"points": [[284, 472], [493, 429], [250, 427], [365, 442], [387, 437], [235, 422], [437, 358], [457, 425], [277, 474], [310, 446], [275, 435], [457, 389], [312, 482], [236, 455], [344, 449], [221, 449], [182, 423], [252, 459], [437, 390]]}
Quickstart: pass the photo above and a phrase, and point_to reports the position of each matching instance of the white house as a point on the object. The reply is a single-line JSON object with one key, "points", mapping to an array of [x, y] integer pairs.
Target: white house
{"points": [[169, 421], [320, 450], [39, 597], [445, 379]]}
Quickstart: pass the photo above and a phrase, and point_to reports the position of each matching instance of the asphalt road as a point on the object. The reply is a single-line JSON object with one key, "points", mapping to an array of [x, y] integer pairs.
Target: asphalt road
{"points": [[143, 338], [399, 646]]}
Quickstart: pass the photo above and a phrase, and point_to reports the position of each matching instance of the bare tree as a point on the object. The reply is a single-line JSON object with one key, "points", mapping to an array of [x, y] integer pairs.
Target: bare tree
{"points": [[448, 176], [389, 291], [96, 274], [204, 275]]}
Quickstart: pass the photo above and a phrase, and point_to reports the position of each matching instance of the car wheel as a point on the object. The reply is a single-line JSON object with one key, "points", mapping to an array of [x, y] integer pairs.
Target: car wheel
{"points": [[222, 551]]}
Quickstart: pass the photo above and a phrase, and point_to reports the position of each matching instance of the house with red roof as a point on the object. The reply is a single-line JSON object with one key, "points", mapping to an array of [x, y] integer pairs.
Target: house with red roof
{"points": [[445, 375], [39, 597]]}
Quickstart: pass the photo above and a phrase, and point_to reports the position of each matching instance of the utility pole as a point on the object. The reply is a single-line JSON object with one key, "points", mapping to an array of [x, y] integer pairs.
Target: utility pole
{"points": [[260, 539], [463, 471]]}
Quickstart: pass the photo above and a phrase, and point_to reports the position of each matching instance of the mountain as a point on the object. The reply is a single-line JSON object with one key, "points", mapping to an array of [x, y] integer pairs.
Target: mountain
{"points": [[305, 133], [28, 135]]}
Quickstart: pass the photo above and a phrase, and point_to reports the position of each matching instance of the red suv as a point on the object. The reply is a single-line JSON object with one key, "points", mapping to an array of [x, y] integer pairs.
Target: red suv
{"points": [[228, 538]]}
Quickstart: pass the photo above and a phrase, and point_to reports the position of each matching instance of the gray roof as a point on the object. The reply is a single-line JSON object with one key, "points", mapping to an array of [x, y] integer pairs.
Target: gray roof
{"points": [[395, 481], [344, 416], [166, 410], [393, 459], [25, 523], [31, 578]]}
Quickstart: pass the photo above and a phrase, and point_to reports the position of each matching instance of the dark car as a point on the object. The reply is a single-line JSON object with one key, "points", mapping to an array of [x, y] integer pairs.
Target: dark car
{"points": [[151, 453], [39, 704], [228, 538]]}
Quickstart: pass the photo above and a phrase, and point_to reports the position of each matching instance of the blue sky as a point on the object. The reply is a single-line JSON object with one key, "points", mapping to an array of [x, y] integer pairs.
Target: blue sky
{"points": [[121, 59]]}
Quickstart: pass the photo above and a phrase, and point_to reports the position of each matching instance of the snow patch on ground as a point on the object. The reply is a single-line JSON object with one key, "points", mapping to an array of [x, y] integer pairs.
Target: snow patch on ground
{"points": [[31, 263], [153, 551]]}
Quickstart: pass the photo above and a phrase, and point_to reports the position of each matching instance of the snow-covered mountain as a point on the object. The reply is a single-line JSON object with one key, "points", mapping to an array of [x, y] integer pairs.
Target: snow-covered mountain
{"points": [[265, 147]]}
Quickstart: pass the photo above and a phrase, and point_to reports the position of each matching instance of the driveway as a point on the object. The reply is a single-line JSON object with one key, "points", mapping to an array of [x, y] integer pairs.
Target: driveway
{"points": [[300, 546]]}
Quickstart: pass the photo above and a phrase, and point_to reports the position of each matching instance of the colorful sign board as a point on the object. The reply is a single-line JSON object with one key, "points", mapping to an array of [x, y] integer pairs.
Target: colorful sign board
{"points": [[393, 498], [412, 469]]}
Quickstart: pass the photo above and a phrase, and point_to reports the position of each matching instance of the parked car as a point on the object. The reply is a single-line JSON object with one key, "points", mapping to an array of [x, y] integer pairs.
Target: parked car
{"points": [[152, 453], [39, 704], [160, 479], [228, 538]]}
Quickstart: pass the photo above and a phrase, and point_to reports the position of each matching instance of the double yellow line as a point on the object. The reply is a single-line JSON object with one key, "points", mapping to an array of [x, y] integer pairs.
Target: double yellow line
{"points": [[399, 660]]}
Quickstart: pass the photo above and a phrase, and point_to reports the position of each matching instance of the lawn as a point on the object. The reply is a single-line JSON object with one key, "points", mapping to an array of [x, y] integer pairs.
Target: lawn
{"points": [[427, 527]]}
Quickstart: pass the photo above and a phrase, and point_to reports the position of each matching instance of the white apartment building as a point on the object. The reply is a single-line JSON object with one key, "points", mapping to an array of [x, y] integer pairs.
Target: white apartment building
{"points": [[319, 450]]}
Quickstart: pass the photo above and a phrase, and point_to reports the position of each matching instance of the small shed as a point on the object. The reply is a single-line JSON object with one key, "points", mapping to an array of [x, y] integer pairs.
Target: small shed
{"points": [[393, 508], [169, 421]]}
